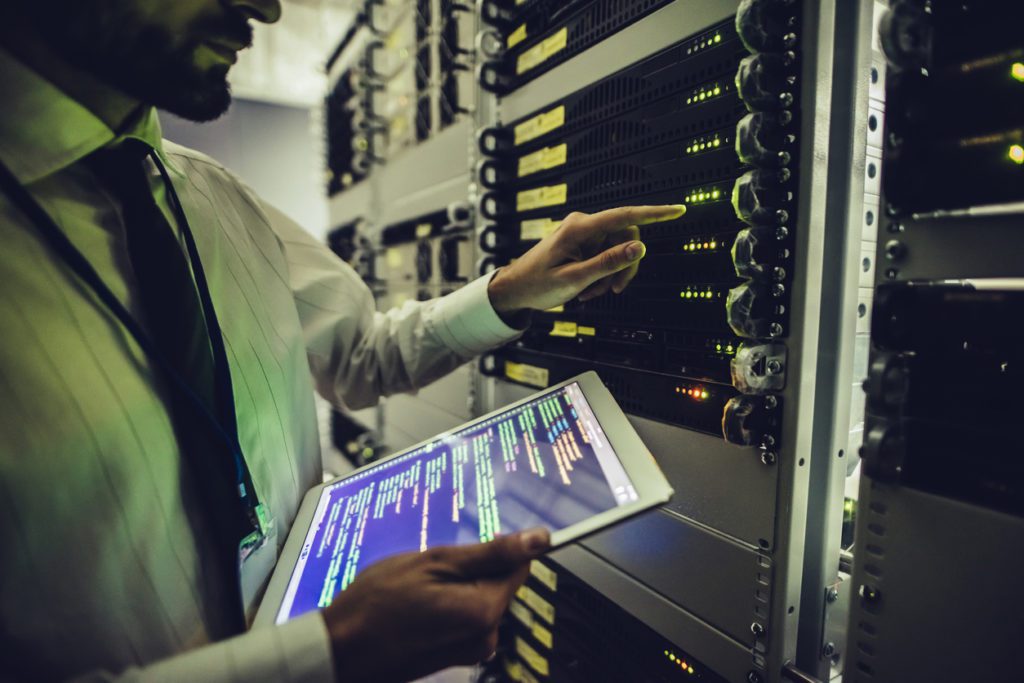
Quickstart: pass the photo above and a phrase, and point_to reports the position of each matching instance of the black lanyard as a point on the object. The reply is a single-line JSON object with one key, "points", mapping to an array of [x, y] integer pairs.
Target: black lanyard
{"points": [[225, 425]]}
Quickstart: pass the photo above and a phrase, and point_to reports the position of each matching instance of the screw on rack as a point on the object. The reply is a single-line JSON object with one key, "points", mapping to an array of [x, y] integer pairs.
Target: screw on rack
{"points": [[895, 250]]}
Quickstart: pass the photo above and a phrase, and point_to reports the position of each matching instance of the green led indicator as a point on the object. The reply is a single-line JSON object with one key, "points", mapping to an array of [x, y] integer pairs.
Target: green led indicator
{"points": [[718, 38], [1017, 71], [1016, 154]]}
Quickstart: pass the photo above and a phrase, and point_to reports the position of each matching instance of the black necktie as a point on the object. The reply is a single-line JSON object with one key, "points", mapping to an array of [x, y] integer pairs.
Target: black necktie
{"points": [[173, 315]]}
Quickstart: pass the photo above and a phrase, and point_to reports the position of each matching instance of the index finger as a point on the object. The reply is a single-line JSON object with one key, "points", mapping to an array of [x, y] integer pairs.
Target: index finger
{"points": [[620, 218]]}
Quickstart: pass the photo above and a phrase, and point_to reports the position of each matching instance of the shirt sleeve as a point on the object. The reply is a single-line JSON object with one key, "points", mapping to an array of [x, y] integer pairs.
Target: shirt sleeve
{"points": [[295, 652], [357, 354]]}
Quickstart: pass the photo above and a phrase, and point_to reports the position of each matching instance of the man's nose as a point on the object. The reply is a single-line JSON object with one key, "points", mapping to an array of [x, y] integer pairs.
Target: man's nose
{"points": [[266, 11]]}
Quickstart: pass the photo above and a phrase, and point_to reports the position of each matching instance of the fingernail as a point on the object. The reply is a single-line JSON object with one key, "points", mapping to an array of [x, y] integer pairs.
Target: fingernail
{"points": [[536, 540], [635, 250], [680, 208]]}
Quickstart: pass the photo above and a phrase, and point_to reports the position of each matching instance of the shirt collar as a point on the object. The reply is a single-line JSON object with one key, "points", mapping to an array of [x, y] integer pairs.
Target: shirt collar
{"points": [[43, 130]]}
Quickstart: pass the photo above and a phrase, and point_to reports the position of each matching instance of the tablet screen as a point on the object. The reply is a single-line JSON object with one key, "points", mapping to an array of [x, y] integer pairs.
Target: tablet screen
{"points": [[543, 463]]}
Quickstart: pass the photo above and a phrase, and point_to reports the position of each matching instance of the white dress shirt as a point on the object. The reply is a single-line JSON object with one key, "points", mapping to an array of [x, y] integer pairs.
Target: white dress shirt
{"points": [[100, 532]]}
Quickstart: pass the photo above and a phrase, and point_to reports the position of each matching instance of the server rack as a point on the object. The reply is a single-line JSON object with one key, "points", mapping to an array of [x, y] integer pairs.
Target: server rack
{"points": [[939, 529], [719, 572]]}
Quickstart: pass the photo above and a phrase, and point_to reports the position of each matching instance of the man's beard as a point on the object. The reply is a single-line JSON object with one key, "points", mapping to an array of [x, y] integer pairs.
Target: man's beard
{"points": [[111, 41]]}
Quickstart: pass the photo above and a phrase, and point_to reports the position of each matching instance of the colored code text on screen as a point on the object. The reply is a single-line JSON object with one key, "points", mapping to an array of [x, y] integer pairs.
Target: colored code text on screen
{"points": [[544, 463]]}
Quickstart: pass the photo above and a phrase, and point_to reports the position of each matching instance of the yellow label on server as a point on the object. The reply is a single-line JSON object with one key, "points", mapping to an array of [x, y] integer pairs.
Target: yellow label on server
{"points": [[541, 124], [585, 331], [544, 609], [542, 160], [563, 329], [534, 659], [514, 669], [542, 635], [541, 197], [423, 230], [542, 51], [542, 572], [537, 228], [517, 36], [527, 374], [521, 612]]}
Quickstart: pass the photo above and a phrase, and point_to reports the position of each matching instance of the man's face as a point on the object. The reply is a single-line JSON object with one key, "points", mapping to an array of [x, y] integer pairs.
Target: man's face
{"points": [[174, 54]]}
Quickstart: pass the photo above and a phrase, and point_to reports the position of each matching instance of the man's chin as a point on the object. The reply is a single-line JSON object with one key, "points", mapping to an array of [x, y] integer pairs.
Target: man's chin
{"points": [[196, 101], [197, 106]]}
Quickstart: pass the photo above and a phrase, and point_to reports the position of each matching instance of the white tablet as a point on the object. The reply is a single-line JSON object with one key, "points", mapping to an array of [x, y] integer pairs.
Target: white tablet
{"points": [[566, 459]]}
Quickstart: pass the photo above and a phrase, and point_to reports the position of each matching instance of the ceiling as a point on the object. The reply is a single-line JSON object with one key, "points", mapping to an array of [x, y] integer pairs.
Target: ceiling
{"points": [[286, 63]]}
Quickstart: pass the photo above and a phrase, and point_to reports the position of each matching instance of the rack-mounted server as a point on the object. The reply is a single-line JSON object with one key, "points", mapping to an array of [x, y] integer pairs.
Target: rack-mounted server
{"points": [[698, 339]]}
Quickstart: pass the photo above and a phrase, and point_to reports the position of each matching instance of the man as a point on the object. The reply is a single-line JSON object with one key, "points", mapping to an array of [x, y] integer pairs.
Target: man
{"points": [[130, 394]]}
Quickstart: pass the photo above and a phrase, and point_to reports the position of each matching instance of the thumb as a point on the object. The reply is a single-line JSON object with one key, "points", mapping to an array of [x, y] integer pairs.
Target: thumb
{"points": [[606, 263], [501, 556]]}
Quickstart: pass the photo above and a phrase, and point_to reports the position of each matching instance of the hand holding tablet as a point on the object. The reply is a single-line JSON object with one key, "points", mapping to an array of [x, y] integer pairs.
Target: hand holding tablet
{"points": [[415, 613], [565, 459]]}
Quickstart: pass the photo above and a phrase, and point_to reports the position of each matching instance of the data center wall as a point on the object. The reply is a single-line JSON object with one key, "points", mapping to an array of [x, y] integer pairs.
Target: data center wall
{"points": [[664, 103], [941, 510]]}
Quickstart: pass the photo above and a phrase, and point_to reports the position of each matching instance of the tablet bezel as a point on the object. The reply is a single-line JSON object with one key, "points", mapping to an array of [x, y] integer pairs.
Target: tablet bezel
{"points": [[651, 487]]}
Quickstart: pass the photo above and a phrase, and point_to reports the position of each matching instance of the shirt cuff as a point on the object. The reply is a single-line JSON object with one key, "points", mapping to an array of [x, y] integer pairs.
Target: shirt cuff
{"points": [[298, 651], [306, 649], [467, 323]]}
